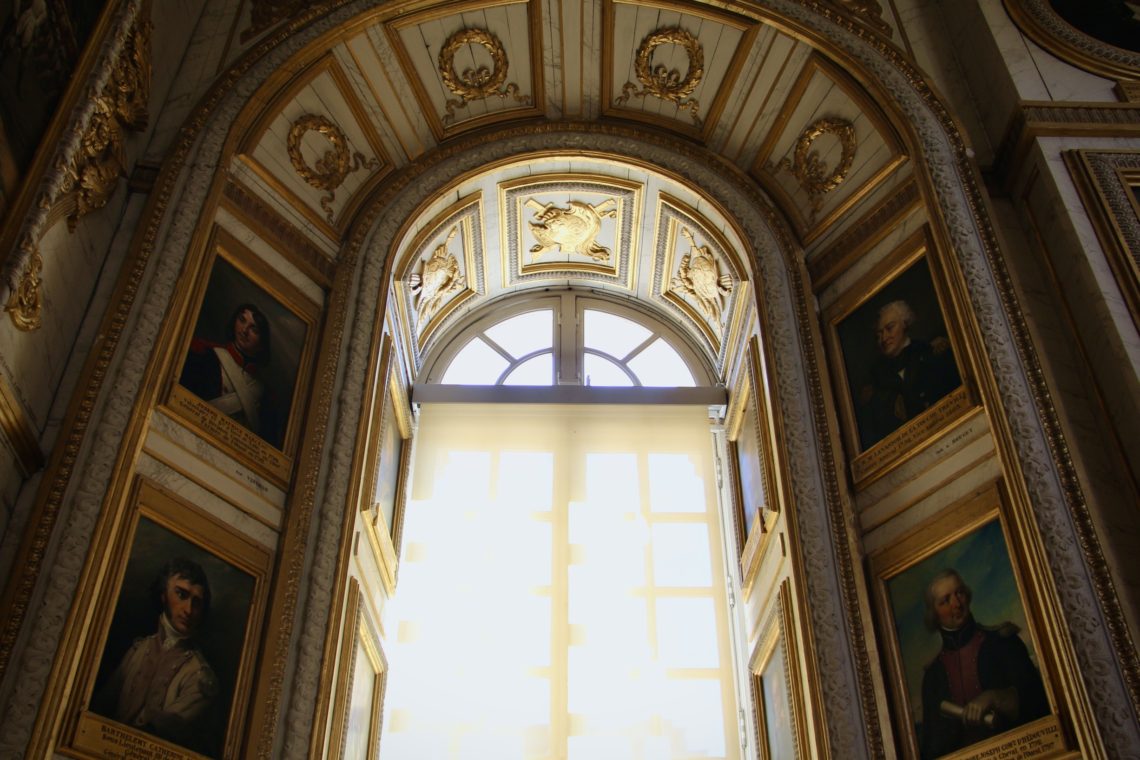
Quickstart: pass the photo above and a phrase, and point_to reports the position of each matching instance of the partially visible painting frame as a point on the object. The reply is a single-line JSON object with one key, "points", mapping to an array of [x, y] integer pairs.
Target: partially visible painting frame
{"points": [[779, 711], [911, 274], [360, 647], [1108, 182], [971, 545], [383, 459], [233, 275], [752, 464], [159, 527]]}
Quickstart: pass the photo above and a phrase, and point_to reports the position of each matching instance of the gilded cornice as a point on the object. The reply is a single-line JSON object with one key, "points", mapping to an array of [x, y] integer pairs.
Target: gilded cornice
{"points": [[1036, 119], [18, 429], [1042, 24]]}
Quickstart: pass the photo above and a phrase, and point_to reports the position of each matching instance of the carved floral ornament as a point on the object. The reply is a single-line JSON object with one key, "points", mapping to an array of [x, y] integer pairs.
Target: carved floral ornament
{"points": [[92, 175], [813, 175], [573, 229], [699, 277], [661, 82], [330, 170], [478, 83], [439, 278]]}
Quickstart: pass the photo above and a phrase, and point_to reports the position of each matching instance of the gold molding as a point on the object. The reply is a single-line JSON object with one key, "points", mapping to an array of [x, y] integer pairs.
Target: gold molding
{"points": [[1108, 182], [667, 84], [779, 629], [18, 429], [1043, 25], [266, 13], [866, 232], [476, 84], [358, 627], [868, 12]]}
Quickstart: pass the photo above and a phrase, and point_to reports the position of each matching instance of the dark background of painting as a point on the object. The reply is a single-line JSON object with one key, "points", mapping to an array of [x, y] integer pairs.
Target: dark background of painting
{"points": [[223, 634], [857, 330], [226, 289]]}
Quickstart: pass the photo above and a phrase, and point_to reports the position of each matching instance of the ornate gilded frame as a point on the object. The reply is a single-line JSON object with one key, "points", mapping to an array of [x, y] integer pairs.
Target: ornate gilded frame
{"points": [[748, 413], [869, 462], [1109, 185], [937, 542], [777, 641], [383, 459], [93, 735], [360, 638], [215, 426]]}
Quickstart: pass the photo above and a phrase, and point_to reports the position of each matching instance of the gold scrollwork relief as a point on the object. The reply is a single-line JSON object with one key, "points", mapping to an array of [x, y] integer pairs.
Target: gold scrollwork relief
{"points": [[867, 11], [478, 83], [573, 229], [122, 106], [699, 277], [330, 170], [440, 278], [25, 302], [664, 83], [813, 175]]}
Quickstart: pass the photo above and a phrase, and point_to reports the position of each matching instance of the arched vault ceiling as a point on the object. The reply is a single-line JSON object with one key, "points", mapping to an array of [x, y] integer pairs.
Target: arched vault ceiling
{"points": [[395, 84]]}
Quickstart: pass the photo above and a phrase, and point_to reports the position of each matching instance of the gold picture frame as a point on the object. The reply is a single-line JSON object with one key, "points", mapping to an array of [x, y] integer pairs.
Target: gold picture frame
{"points": [[753, 464], [925, 609], [359, 701], [171, 558], [383, 460], [1108, 182], [217, 388], [778, 708], [896, 360]]}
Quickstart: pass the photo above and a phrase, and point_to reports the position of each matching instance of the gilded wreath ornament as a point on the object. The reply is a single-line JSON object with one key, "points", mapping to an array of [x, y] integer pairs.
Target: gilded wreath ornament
{"points": [[664, 83], [330, 170], [813, 175], [478, 83]]}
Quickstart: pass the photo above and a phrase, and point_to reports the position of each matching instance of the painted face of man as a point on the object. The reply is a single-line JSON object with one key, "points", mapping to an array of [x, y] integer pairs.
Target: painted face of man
{"points": [[891, 333], [247, 334], [185, 604], [951, 603]]}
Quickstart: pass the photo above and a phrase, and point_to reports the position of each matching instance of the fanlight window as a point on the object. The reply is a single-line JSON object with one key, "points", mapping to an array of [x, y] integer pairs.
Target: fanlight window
{"points": [[530, 344]]}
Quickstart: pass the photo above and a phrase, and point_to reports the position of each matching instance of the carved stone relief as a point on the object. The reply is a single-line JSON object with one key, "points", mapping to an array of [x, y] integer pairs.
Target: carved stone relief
{"points": [[439, 278]]}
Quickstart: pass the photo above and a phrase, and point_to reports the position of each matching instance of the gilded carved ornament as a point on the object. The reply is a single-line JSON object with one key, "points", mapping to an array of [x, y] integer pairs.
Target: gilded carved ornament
{"points": [[573, 229], [867, 11], [25, 302], [330, 170], [440, 278], [478, 83], [699, 277], [813, 175], [122, 106], [663, 83]]}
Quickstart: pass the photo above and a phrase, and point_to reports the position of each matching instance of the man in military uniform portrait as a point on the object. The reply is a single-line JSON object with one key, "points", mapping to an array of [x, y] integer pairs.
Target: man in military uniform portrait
{"points": [[163, 685], [982, 682]]}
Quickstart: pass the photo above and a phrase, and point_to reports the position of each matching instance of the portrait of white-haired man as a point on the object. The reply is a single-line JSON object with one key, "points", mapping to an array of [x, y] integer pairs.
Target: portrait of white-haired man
{"points": [[982, 682], [163, 685], [907, 377]]}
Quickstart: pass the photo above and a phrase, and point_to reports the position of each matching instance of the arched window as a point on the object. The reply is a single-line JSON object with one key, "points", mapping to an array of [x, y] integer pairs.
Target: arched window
{"points": [[568, 339]]}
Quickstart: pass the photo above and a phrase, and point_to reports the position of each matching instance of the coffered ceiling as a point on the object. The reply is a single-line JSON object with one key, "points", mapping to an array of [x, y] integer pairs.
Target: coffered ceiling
{"points": [[394, 84]]}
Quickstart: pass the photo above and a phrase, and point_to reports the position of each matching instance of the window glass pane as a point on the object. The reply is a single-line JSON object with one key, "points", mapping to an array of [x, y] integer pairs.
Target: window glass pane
{"points": [[674, 485], [603, 372], [686, 633], [660, 365], [476, 364], [681, 555], [538, 370], [522, 334], [692, 708], [611, 334]]}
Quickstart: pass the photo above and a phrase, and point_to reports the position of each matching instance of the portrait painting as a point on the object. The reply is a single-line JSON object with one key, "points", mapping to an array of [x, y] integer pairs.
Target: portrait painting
{"points": [[967, 657], [245, 352], [173, 652], [897, 354]]}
